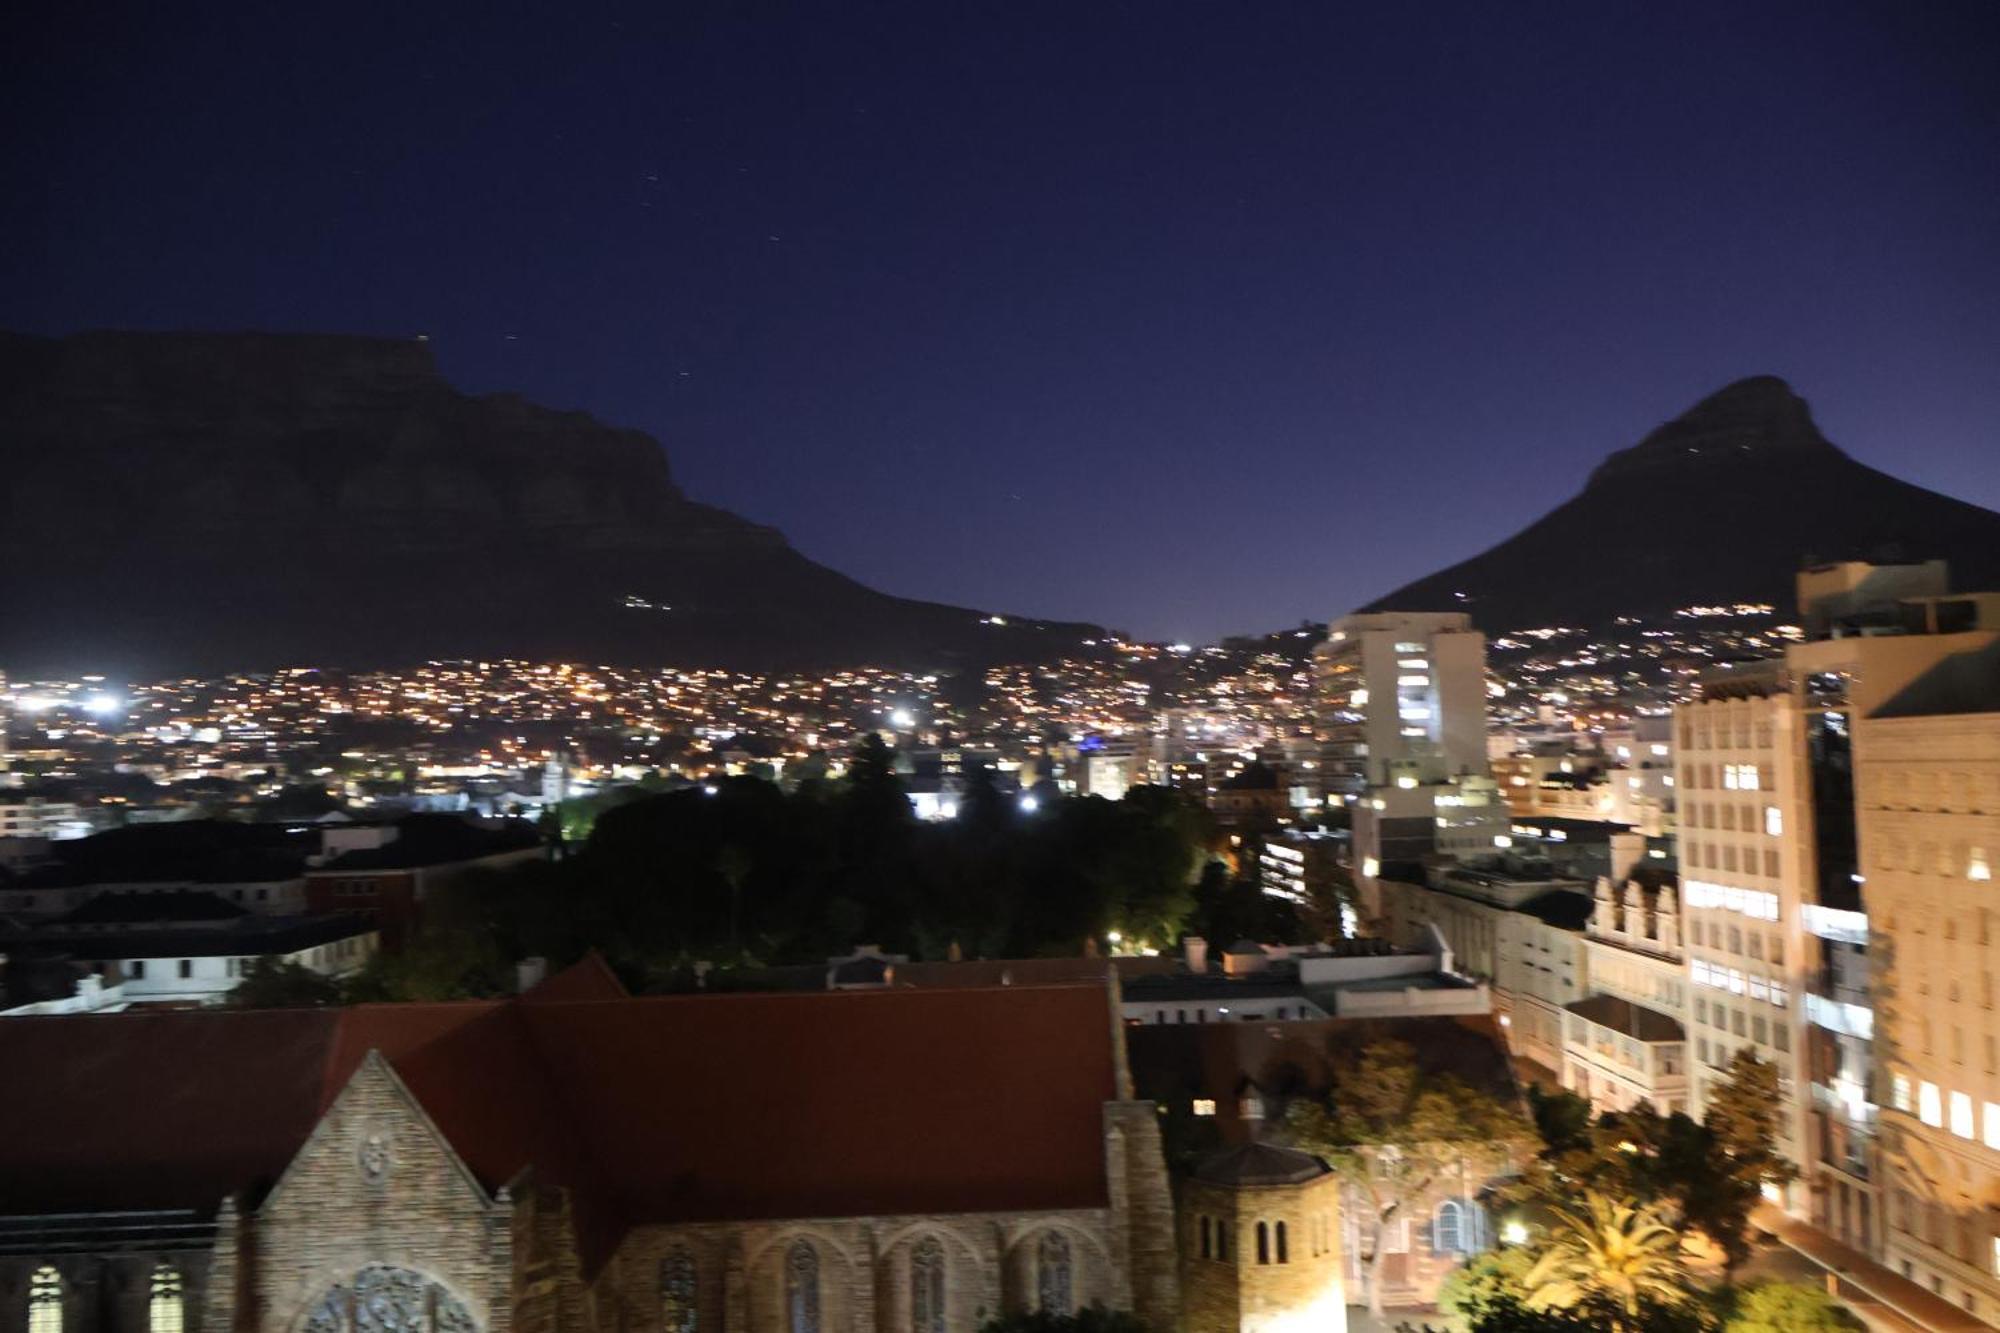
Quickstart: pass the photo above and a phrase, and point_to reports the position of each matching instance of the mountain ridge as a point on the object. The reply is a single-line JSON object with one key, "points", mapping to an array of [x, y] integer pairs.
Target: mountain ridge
{"points": [[230, 501], [1722, 504]]}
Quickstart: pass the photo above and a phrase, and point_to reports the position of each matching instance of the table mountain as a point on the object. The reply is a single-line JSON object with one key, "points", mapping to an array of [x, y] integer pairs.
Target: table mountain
{"points": [[212, 502], [1723, 504]]}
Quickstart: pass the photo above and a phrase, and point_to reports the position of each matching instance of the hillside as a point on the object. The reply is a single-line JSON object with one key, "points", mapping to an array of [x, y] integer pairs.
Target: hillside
{"points": [[182, 503], [1723, 504]]}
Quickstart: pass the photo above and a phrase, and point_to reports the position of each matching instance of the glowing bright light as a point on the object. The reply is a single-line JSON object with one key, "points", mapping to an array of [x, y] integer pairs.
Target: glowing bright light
{"points": [[710, 789], [902, 717], [1030, 804], [103, 705], [1114, 937], [36, 703], [1514, 1233]]}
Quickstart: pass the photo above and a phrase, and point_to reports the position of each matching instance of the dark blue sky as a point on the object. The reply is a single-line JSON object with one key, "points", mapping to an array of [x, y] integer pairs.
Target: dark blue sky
{"points": [[1184, 318]]}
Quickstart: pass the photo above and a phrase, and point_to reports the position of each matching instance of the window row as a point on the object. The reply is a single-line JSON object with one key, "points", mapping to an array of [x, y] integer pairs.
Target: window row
{"points": [[1941, 1109], [929, 1277], [1724, 733], [1727, 857], [1731, 979], [1752, 1027], [1753, 903], [1970, 860], [1751, 943], [1769, 819], [1900, 788], [165, 1308]]}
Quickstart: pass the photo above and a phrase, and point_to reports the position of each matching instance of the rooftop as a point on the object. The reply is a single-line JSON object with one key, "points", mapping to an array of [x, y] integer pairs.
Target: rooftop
{"points": [[1623, 1016], [1259, 1164]]}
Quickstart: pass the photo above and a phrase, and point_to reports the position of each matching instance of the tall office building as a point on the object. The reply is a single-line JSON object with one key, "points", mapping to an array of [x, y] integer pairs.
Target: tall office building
{"points": [[1928, 825], [1400, 713], [1778, 933], [1400, 696]]}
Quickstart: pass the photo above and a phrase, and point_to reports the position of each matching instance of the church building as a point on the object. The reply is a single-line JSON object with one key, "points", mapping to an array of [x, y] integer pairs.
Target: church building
{"points": [[576, 1160]]}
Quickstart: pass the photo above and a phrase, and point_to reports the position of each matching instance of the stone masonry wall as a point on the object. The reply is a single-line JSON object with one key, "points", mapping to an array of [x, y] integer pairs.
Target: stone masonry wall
{"points": [[376, 1184]]}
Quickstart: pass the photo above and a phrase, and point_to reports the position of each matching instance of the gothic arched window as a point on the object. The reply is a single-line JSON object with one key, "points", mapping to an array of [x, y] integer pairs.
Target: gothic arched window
{"points": [[164, 1311], [927, 1287], [1448, 1228], [1263, 1242], [389, 1300], [1055, 1279], [1458, 1227], [802, 1288], [1284, 1251], [45, 1300], [677, 1293]]}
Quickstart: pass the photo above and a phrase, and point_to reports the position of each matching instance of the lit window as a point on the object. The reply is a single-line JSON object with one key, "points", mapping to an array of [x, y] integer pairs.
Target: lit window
{"points": [[164, 1312], [1992, 1124], [45, 1301], [1930, 1104], [1774, 821], [1978, 867], [1961, 1115], [1899, 1092], [1204, 1106]]}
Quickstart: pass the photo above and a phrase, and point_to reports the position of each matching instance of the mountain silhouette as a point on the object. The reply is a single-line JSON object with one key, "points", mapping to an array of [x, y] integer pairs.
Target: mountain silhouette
{"points": [[196, 503], [1724, 504]]}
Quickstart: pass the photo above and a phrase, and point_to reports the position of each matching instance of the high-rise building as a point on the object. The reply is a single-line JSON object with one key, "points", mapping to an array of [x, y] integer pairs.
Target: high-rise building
{"points": [[1777, 929], [1400, 712], [1400, 696], [1927, 802]]}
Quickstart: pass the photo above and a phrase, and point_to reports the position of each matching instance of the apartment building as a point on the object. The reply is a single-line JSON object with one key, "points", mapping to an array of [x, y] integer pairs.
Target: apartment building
{"points": [[1626, 1042], [1928, 826]]}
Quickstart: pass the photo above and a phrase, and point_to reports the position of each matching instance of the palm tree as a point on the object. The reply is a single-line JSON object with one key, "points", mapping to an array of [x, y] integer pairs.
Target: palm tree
{"points": [[1614, 1259]]}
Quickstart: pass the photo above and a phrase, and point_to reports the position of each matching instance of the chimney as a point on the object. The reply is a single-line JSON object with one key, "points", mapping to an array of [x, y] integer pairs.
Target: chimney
{"points": [[1195, 950], [530, 973]]}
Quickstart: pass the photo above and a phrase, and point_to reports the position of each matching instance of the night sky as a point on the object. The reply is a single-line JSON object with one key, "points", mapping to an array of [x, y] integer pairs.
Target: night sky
{"points": [[1185, 319]]}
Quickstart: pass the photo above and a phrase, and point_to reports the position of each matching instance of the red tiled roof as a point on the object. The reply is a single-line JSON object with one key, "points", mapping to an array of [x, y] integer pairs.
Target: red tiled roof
{"points": [[849, 1103], [661, 1109], [155, 1110]]}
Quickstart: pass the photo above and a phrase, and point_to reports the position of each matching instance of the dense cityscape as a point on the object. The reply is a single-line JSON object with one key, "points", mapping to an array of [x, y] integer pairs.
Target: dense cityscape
{"points": [[1042, 668]]}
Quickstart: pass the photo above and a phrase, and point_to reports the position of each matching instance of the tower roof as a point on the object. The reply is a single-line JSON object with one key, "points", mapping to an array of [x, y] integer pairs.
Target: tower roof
{"points": [[1259, 1164]]}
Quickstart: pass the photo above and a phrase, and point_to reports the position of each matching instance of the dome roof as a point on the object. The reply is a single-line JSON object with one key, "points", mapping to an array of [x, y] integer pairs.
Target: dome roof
{"points": [[1259, 1164]]}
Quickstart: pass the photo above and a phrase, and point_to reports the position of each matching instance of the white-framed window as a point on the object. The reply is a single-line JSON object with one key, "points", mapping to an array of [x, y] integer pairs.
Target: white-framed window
{"points": [[45, 1300], [166, 1309], [1961, 1115], [1930, 1104], [1899, 1091]]}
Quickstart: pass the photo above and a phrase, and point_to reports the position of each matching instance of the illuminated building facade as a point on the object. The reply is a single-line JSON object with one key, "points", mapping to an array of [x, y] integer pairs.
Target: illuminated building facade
{"points": [[1928, 816]]}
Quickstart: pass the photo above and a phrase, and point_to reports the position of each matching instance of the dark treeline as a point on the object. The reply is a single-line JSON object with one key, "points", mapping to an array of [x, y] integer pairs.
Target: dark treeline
{"points": [[746, 873]]}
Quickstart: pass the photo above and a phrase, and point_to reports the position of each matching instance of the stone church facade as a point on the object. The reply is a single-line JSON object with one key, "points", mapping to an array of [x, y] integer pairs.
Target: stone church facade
{"points": [[905, 1162]]}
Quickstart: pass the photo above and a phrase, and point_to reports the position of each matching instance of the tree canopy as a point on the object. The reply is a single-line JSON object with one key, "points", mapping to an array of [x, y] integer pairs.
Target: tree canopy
{"points": [[1393, 1130]]}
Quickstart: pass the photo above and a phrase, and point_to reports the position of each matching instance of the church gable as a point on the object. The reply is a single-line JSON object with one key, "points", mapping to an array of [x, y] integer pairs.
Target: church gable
{"points": [[405, 1201]]}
